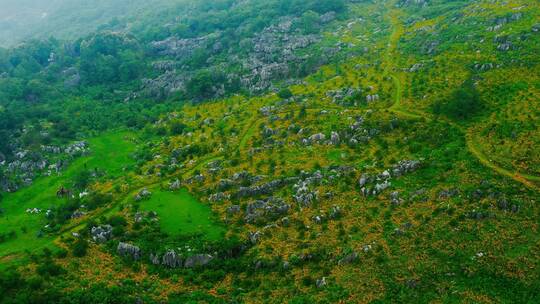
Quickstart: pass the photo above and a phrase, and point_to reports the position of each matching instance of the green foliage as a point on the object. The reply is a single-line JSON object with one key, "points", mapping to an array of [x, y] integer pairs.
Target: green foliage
{"points": [[117, 220], [80, 247], [109, 58], [285, 93], [81, 179], [309, 22], [464, 103], [177, 128], [48, 268]]}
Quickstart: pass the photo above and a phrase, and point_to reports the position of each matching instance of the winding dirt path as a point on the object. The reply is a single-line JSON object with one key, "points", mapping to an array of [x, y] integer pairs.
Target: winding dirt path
{"points": [[397, 107]]}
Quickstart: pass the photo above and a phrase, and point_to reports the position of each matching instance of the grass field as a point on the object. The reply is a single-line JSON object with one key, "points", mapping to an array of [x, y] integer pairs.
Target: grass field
{"points": [[181, 213], [109, 152]]}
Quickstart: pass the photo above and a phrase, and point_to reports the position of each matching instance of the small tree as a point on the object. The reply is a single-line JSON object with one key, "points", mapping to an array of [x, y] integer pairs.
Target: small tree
{"points": [[462, 104], [285, 94], [80, 247], [82, 179]]}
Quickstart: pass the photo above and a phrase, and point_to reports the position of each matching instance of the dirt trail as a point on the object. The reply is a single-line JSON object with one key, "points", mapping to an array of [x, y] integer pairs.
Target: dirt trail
{"points": [[397, 107]]}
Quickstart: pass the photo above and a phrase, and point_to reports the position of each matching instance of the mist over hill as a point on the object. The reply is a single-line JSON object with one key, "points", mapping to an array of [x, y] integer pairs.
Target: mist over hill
{"points": [[65, 19]]}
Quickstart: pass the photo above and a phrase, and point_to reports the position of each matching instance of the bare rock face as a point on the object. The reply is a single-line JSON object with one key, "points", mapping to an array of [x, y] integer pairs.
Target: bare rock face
{"points": [[171, 259], [128, 250]]}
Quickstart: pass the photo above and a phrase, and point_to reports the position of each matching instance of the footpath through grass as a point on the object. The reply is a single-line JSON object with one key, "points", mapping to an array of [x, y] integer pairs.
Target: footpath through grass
{"points": [[110, 152]]}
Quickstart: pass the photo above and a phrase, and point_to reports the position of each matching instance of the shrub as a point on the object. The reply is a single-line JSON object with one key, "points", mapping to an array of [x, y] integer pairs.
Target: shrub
{"points": [[117, 220], [285, 94], [464, 103], [80, 247], [49, 268]]}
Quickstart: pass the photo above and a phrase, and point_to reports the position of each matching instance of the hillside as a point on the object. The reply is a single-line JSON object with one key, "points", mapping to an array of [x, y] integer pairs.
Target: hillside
{"points": [[276, 152]]}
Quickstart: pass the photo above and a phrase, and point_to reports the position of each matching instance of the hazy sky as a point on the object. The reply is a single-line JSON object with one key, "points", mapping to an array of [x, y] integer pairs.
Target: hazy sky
{"points": [[23, 19], [16, 7]]}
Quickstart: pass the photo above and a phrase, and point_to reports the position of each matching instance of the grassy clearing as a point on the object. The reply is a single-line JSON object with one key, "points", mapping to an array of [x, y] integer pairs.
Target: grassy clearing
{"points": [[110, 153], [181, 213]]}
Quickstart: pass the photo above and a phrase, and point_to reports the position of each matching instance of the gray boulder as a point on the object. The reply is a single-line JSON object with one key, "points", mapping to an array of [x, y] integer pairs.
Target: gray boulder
{"points": [[219, 197], [321, 283], [335, 138], [317, 138], [234, 209], [406, 166], [154, 259], [144, 194], [171, 259], [349, 259], [335, 212], [198, 260], [254, 237], [175, 185], [128, 250], [101, 234]]}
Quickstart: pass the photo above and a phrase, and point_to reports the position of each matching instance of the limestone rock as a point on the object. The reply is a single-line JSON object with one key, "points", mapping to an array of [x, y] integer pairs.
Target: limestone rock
{"points": [[128, 250]]}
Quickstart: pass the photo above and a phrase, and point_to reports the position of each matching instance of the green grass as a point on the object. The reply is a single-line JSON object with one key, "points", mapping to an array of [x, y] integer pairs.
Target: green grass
{"points": [[337, 156], [110, 152], [181, 213]]}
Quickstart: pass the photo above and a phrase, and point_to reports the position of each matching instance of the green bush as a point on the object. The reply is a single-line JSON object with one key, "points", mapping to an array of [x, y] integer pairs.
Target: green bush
{"points": [[463, 104], [80, 248], [285, 94]]}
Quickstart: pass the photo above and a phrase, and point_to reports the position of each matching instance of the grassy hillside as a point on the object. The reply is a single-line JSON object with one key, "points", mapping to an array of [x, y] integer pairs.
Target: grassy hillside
{"points": [[111, 153], [400, 169]]}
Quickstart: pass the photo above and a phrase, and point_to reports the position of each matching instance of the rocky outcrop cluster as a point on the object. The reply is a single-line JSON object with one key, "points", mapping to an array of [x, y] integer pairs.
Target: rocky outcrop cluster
{"points": [[303, 193], [375, 184], [171, 259], [128, 250], [264, 189], [77, 148], [25, 166], [273, 51], [354, 135], [262, 211], [101, 234], [178, 47], [144, 194]]}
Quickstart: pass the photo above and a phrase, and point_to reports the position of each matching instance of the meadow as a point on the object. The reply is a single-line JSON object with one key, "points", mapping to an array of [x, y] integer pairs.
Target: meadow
{"points": [[180, 213], [110, 153]]}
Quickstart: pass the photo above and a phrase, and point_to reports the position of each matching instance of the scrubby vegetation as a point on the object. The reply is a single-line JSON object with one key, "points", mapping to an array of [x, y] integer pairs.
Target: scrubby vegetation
{"points": [[275, 152]]}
